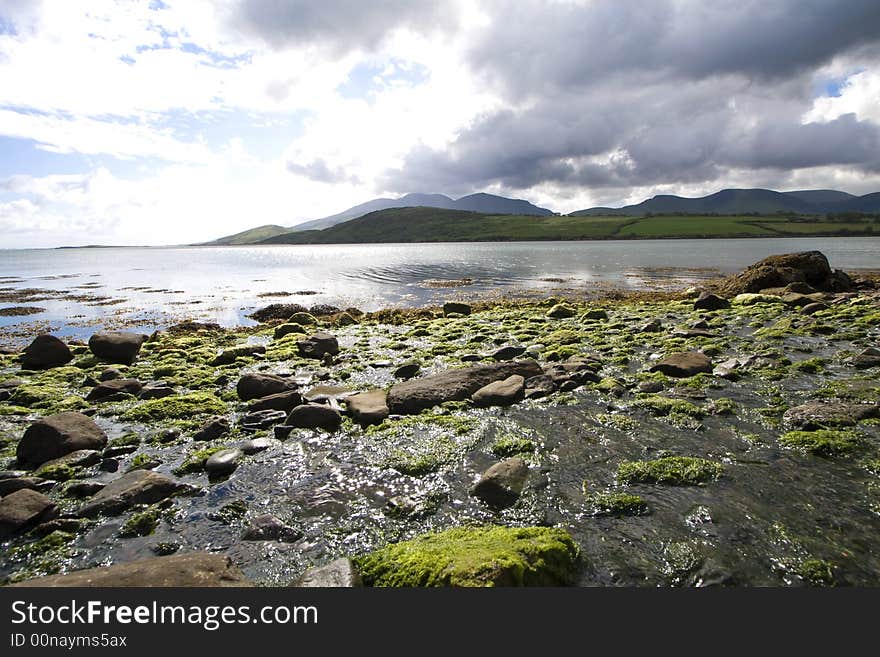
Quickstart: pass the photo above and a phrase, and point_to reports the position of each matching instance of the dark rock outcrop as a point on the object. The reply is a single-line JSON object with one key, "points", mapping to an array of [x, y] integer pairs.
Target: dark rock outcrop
{"points": [[684, 364], [45, 352], [22, 509], [136, 487], [116, 346], [254, 385], [57, 435], [779, 271]]}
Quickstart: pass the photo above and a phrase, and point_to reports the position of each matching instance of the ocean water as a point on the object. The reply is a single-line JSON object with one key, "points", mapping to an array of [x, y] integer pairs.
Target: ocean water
{"points": [[79, 289]]}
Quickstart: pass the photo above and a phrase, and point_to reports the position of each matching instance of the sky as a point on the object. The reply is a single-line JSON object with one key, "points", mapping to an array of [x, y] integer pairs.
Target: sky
{"points": [[176, 121]]}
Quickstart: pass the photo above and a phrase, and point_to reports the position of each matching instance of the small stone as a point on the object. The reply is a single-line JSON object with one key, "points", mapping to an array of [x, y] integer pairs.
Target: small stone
{"points": [[109, 374], [224, 462], [212, 429], [509, 352], [500, 393], [317, 345], [82, 458], [407, 371], [501, 485], [652, 326], [255, 386], [561, 311], [538, 386], [709, 301], [10, 485], [114, 388], [261, 419], [281, 401], [132, 488], [650, 386], [327, 394], [45, 352], [22, 509], [339, 573], [228, 356], [368, 407], [270, 528], [456, 307], [595, 313], [314, 416], [287, 329], [84, 488], [683, 364], [256, 445], [813, 308]]}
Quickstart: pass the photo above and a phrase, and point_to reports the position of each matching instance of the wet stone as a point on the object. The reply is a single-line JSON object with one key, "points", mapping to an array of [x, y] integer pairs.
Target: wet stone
{"points": [[224, 462], [340, 573], [500, 486], [261, 419], [212, 429], [270, 528]]}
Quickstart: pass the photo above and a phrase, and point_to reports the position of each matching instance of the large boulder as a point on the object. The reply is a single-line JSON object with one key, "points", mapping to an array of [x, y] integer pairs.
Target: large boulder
{"points": [[44, 352], [116, 346], [779, 271], [684, 364], [254, 385], [369, 407], [135, 487], [22, 509], [57, 435], [317, 345], [416, 395], [199, 569]]}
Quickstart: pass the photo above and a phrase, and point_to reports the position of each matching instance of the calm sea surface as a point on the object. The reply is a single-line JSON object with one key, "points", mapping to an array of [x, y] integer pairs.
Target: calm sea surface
{"points": [[78, 289]]}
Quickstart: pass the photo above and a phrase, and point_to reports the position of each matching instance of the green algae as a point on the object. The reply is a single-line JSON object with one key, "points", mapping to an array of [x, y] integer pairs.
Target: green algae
{"points": [[616, 504], [671, 470], [141, 524], [823, 442], [511, 445], [659, 405], [195, 461], [176, 407], [817, 572], [475, 557]]}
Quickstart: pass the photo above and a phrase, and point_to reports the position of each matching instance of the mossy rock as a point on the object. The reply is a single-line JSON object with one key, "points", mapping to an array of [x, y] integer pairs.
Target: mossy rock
{"points": [[141, 524], [824, 442], [561, 311], [817, 572], [178, 407], [305, 319], [511, 446], [660, 405], [617, 504], [476, 556], [672, 471]]}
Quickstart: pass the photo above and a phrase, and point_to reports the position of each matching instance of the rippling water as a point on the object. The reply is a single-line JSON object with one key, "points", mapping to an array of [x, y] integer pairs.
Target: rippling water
{"points": [[94, 286]]}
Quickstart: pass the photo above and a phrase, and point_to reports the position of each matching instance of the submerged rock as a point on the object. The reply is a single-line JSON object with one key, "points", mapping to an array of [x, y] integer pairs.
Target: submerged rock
{"points": [[224, 462], [192, 569], [475, 556], [57, 435], [369, 407], [270, 528], [500, 486], [339, 573], [135, 487], [416, 395], [45, 352], [827, 415], [22, 509], [500, 393], [116, 346], [683, 364]]}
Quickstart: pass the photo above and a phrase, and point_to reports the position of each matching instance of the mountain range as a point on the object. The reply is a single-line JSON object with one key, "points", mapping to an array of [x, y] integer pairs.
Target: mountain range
{"points": [[725, 202]]}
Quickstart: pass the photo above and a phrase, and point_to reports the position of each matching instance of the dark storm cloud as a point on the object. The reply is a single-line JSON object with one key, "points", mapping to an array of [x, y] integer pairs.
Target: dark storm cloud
{"points": [[614, 94], [337, 25]]}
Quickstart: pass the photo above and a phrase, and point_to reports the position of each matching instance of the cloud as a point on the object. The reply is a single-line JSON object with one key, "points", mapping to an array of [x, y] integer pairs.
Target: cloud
{"points": [[319, 171], [338, 25]]}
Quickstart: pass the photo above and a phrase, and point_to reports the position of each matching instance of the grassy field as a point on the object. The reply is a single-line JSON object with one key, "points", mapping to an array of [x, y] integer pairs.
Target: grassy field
{"points": [[437, 225]]}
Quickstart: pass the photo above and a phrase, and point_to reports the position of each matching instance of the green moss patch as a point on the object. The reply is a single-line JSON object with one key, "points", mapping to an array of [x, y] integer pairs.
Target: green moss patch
{"points": [[478, 556], [672, 471], [823, 442], [659, 405], [511, 445], [179, 407], [617, 504]]}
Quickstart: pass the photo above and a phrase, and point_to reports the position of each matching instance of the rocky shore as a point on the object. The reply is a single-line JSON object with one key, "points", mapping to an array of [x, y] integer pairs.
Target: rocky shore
{"points": [[723, 435]]}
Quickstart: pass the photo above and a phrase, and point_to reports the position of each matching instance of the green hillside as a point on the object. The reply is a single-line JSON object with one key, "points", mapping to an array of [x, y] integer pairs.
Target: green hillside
{"points": [[252, 236], [438, 225]]}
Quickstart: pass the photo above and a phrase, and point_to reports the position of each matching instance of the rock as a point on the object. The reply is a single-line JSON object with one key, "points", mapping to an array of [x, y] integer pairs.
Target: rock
{"points": [[500, 393], [114, 388], [813, 308], [827, 415], [692, 333], [317, 345], [116, 346], [650, 386], [256, 445], [303, 318], [109, 374], [728, 369], [45, 352], [314, 416], [135, 487], [709, 301], [797, 300], [538, 386], [595, 313], [224, 462], [652, 326], [262, 419], [339, 573], [81, 458], [11, 484], [154, 391], [810, 267], [456, 307], [255, 386], [212, 429], [868, 358], [561, 311], [453, 385], [323, 309], [228, 356], [192, 569], [22, 509], [327, 394], [280, 401], [500, 486], [753, 299], [287, 329], [270, 528], [277, 311], [369, 407], [84, 488], [407, 371], [508, 352], [57, 435], [684, 364]]}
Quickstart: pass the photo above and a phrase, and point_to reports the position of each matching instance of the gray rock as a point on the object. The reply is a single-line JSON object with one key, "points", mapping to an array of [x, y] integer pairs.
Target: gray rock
{"points": [[327, 394], [709, 301], [192, 569], [114, 388], [57, 435], [456, 307], [728, 369], [12, 484], [270, 528], [339, 573], [813, 308], [453, 385], [224, 462], [110, 373], [314, 416], [317, 345], [595, 313], [136, 487], [82, 458], [256, 386], [652, 326], [509, 352], [684, 364], [116, 346], [261, 419], [287, 329], [821, 415], [22, 509], [256, 445], [683, 332], [369, 407], [281, 401], [212, 429], [407, 371], [84, 488], [500, 393], [538, 386], [797, 300], [868, 358], [45, 352], [561, 311], [228, 356], [501, 485], [156, 391], [650, 386]]}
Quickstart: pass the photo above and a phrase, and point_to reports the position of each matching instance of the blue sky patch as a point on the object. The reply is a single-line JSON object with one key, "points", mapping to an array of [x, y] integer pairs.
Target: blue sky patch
{"points": [[367, 79]]}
